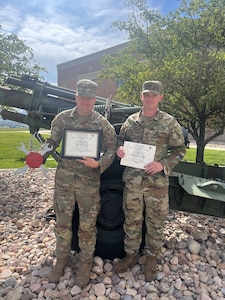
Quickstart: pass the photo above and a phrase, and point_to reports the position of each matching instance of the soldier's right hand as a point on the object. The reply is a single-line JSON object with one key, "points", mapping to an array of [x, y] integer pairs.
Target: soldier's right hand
{"points": [[120, 152]]}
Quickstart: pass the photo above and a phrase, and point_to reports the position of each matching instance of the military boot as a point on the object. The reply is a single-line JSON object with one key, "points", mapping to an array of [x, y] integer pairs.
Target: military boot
{"points": [[150, 268], [128, 261], [83, 274], [58, 270]]}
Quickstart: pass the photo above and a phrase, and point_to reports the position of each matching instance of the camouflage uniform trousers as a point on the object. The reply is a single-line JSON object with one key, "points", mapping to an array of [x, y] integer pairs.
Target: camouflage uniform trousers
{"points": [[69, 189], [154, 201]]}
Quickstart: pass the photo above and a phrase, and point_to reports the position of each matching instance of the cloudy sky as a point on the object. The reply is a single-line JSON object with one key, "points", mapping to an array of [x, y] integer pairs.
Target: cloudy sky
{"points": [[62, 30]]}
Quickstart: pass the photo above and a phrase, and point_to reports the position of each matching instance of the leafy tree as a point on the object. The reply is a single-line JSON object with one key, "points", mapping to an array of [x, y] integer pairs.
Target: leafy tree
{"points": [[185, 50], [16, 58]]}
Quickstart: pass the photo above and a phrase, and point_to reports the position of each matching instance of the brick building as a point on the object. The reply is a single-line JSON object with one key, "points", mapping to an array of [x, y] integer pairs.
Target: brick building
{"points": [[89, 67]]}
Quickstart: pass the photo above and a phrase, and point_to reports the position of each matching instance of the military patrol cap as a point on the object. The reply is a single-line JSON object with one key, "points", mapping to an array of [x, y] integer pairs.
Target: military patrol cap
{"points": [[155, 87], [86, 87]]}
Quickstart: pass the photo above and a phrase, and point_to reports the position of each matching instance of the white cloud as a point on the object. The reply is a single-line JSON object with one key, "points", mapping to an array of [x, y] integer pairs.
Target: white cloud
{"points": [[55, 43], [57, 35], [59, 31]]}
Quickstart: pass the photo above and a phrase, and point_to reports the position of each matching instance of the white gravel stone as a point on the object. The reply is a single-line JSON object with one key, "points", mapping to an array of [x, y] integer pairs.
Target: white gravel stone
{"points": [[193, 246], [191, 264]]}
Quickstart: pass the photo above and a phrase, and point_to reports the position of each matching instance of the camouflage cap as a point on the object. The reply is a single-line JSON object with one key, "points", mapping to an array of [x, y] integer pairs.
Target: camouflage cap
{"points": [[86, 87], [155, 87]]}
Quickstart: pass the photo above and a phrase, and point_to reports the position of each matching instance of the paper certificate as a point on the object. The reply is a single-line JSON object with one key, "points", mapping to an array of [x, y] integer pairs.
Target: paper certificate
{"points": [[79, 143], [137, 155]]}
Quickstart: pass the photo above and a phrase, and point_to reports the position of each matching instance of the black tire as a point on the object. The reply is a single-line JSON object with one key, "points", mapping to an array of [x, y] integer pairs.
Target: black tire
{"points": [[110, 236], [110, 244], [111, 215]]}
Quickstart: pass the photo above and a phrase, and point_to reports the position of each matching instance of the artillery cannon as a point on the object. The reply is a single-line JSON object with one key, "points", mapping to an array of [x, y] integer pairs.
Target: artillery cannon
{"points": [[193, 187]]}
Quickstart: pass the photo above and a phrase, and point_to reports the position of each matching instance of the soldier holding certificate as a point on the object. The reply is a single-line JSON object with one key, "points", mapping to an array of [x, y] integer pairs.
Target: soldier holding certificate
{"points": [[77, 178], [146, 189]]}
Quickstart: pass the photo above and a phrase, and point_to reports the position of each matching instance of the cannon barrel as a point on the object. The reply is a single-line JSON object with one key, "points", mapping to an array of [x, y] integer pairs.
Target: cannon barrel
{"points": [[32, 83], [36, 101], [42, 101], [29, 119]]}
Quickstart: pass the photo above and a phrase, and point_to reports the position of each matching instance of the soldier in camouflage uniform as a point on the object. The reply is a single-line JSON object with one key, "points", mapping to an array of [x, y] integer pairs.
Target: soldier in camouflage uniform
{"points": [[78, 180], [146, 190]]}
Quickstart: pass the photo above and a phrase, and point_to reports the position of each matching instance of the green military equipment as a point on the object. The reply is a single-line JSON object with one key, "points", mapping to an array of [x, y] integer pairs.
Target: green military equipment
{"points": [[193, 187], [198, 188]]}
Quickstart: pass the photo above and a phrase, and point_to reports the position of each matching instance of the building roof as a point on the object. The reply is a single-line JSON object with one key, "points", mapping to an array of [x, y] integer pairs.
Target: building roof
{"points": [[91, 57]]}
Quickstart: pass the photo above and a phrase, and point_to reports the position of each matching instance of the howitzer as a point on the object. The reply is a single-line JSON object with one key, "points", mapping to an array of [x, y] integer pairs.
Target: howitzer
{"points": [[193, 187], [47, 100]]}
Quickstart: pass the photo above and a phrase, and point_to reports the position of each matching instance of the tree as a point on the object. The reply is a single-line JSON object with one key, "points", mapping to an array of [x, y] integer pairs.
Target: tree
{"points": [[16, 58], [185, 50]]}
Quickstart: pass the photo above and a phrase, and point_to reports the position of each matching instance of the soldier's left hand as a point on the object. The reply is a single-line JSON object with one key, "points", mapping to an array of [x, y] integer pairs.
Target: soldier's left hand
{"points": [[153, 167], [89, 162]]}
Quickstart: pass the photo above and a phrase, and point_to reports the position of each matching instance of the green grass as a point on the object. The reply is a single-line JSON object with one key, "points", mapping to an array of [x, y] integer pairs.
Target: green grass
{"points": [[211, 156], [12, 158]]}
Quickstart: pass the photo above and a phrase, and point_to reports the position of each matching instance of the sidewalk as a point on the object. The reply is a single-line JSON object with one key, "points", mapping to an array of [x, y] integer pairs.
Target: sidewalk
{"points": [[212, 145]]}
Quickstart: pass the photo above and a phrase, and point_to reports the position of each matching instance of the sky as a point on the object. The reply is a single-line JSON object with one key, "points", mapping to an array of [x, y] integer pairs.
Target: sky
{"points": [[62, 30]]}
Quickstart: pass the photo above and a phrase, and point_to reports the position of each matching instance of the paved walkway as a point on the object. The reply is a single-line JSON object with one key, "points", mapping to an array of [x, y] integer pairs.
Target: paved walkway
{"points": [[211, 145]]}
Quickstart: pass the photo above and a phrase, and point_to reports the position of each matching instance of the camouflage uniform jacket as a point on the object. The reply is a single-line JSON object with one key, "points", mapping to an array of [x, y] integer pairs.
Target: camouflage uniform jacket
{"points": [[70, 119], [162, 131]]}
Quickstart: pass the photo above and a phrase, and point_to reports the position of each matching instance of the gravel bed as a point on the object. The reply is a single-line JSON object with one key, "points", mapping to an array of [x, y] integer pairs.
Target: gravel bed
{"points": [[191, 262]]}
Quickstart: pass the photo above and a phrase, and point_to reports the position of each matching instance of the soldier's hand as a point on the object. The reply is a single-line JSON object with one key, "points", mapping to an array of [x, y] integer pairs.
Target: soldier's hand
{"points": [[120, 152], [89, 162], [153, 167]]}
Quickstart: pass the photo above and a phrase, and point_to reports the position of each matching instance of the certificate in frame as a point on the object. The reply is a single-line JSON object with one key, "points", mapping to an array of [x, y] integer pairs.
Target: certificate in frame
{"points": [[78, 143]]}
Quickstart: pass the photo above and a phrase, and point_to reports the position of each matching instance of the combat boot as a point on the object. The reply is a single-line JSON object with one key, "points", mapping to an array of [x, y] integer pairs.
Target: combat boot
{"points": [[128, 261], [150, 268], [58, 270], [83, 274]]}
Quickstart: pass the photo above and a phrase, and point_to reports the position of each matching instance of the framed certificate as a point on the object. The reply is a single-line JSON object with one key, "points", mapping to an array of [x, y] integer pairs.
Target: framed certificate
{"points": [[77, 143], [137, 155]]}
